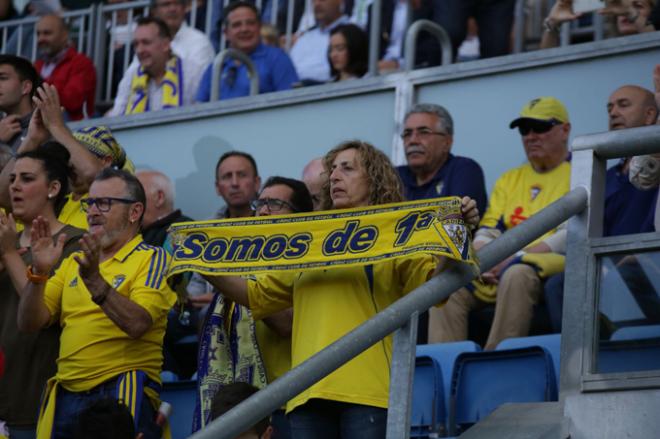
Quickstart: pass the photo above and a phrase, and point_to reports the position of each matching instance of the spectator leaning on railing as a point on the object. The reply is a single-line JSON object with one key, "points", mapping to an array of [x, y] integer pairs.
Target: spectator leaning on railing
{"points": [[632, 17], [274, 67]]}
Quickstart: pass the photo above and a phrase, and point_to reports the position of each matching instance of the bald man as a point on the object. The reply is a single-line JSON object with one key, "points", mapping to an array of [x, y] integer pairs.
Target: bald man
{"points": [[314, 176], [59, 64], [159, 213], [627, 209]]}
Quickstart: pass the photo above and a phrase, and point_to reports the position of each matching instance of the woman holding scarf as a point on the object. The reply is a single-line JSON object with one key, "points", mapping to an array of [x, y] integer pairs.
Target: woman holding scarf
{"points": [[352, 401]]}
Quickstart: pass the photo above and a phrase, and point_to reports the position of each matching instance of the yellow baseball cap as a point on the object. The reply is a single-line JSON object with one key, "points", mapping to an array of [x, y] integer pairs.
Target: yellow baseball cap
{"points": [[543, 109]]}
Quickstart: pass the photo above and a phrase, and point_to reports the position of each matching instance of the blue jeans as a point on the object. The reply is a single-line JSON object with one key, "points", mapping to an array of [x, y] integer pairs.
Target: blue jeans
{"points": [[70, 404], [494, 19], [323, 419]]}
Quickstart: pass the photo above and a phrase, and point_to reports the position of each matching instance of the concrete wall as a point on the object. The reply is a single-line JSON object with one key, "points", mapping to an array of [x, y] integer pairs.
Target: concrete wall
{"points": [[285, 130]]}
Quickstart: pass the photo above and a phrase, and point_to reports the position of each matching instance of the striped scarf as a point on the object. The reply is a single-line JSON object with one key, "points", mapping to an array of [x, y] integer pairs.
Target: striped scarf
{"points": [[138, 100]]}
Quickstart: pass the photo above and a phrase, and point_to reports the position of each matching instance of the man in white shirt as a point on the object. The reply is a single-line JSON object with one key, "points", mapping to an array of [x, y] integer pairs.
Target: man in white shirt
{"points": [[310, 52], [192, 46], [160, 79]]}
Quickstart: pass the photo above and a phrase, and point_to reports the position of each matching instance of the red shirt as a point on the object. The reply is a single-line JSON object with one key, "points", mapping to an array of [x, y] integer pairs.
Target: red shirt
{"points": [[74, 77]]}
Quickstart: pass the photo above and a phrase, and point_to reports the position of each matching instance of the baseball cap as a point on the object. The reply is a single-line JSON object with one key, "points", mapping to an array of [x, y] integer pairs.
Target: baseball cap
{"points": [[543, 109], [100, 142]]}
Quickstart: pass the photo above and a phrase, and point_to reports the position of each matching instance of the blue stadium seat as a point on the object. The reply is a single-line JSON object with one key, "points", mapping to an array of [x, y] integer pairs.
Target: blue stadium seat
{"points": [[443, 355], [167, 376], [482, 381], [551, 342], [428, 405], [628, 355], [636, 332], [181, 395]]}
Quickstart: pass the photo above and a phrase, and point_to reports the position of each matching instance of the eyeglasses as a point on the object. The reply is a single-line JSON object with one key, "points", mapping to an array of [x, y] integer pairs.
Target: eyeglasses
{"points": [[538, 126], [103, 204], [421, 132], [274, 205]]}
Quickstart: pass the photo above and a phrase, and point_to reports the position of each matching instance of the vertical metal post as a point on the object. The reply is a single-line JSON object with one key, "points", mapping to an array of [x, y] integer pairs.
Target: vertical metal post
{"points": [[275, 7], [404, 96], [578, 315], [193, 14], [374, 37], [91, 24], [401, 378], [289, 25], [111, 58], [599, 27], [519, 26], [19, 44], [99, 51], [210, 5], [127, 46], [565, 34]]}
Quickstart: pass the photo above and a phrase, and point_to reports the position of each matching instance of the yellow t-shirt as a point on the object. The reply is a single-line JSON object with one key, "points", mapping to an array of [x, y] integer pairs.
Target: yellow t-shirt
{"points": [[275, 350], [327, 304], [73, 214], [518, 194], [522, 192], [92, 348]]}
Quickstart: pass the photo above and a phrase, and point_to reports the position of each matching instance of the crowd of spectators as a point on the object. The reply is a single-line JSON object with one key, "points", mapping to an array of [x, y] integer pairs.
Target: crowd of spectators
{"points": [[171, 63], [84, 242]]}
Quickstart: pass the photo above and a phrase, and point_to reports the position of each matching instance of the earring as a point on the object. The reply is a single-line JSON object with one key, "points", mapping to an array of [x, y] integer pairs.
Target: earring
{"points": [[50, 196]]}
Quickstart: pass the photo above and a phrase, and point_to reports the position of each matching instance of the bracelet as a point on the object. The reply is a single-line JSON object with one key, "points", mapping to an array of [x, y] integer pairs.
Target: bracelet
{"points": [[100, 298], [36, 278], [549, 26]]}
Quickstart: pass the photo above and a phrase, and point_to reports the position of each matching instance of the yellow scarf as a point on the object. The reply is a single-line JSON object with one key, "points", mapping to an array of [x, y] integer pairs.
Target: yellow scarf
{"points": [[138, 100], [319, 240]]}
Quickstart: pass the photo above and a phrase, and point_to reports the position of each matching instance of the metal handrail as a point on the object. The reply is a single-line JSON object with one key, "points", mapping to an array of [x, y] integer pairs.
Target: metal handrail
{"points": [[86, 15], [219, 60], [374, 37], [434, 29], [436, 290]]}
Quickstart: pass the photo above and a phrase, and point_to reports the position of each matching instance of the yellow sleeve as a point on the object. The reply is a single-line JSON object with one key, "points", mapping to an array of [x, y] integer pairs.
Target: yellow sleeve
{"points": [[150, 290], [414, 271], [270, 293], [494, 216], [55, 287]]}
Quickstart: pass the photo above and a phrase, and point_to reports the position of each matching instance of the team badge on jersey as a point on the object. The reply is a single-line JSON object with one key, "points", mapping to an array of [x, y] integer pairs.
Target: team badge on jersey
{"points": [[534, 192], [118, 280], [438, 188], [74, 282]]}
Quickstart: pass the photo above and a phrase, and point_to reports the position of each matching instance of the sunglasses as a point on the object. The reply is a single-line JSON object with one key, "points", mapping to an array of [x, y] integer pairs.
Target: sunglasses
{"points": [[539, 127]]}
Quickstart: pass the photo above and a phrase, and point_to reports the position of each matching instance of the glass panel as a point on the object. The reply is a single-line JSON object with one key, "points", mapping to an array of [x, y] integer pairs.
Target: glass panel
{"points": [[629, 313]]}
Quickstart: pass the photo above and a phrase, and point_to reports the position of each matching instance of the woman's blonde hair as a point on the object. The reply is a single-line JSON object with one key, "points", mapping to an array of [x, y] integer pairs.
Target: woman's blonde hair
{"points": [[384, 182]]}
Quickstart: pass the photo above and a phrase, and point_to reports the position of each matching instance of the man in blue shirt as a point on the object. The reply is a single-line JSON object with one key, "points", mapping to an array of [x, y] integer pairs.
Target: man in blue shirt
{"points": [[627, 209], [433, 171], [242, 32]]}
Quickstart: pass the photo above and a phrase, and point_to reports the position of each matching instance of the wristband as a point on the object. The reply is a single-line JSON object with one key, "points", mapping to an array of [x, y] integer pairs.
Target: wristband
{"points": [[520, 253], [36, 278]]}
